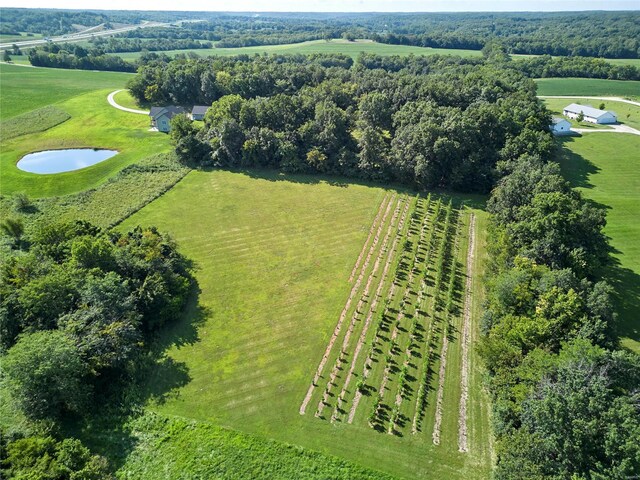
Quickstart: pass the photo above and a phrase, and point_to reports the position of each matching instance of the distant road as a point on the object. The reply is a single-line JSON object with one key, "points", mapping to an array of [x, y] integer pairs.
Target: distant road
{"points": [[113, 103], [614, 99], [81, 36]]}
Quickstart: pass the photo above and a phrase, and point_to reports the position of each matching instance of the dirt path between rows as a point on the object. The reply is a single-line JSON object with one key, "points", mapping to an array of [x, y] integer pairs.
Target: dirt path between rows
{"points": [[343, 314], [466, 333]]}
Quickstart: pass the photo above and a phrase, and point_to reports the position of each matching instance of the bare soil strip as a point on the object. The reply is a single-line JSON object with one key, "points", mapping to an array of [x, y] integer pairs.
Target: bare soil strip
{"points": [[466, 332], [359, 307], [371, 230], [343, 314], [367, 324], [445, 348]]}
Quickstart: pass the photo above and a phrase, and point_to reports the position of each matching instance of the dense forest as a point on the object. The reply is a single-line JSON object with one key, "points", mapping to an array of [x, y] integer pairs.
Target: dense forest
{"points": [[589, 34], [424, 121], [79, 308]]}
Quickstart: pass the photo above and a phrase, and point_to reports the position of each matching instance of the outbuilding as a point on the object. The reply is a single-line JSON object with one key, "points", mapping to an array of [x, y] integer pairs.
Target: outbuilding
{"points": [[590, 114], [161, 116], [560, 126], [198, 112]]}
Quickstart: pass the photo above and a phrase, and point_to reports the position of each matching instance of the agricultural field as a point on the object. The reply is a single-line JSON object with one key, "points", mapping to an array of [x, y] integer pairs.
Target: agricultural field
{"points": [[276, 283], [605, 168], [352, 49], [589, 86]]}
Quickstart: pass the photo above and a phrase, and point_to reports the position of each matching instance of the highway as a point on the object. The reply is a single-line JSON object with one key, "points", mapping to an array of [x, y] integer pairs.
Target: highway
{"points": [[81, 36]]}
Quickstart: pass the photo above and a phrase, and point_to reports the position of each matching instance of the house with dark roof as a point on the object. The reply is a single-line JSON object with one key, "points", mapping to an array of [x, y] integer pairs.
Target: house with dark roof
{"points": [[198, 112], [590, 114], [161, 116]]}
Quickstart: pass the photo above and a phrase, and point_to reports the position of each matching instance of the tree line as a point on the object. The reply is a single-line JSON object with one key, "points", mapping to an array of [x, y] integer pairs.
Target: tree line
{"points": [[423, 121], [564, 395], [79, 308]]}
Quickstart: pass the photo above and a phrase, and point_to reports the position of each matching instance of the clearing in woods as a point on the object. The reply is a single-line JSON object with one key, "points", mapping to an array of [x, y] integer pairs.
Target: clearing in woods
{"points": [[274, 256]]}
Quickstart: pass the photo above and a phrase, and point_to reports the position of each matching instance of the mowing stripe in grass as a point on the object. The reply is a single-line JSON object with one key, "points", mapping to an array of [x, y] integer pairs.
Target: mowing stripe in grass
{"points": [[366, 243], [354, 318], [338, 327]]}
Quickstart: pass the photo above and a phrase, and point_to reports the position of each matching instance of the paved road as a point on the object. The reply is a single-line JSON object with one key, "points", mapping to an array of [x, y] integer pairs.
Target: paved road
{"points": [[614, 99], [113, 103], [614, 129], [79, 37]]}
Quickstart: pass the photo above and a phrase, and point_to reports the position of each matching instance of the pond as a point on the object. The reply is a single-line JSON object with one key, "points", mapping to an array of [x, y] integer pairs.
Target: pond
{"points": [[58, 161]]}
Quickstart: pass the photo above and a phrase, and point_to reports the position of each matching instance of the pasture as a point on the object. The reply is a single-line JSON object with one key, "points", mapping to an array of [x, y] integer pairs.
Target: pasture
{"points": [[280, 260], [588, 86], [604, 166], [353, 49]]}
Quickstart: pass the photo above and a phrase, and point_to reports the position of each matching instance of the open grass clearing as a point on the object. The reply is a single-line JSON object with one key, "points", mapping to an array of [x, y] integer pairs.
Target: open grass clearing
{"points": [[589, 86], [345, 47], [25, 89], [274, 256], [93, 124], [606, 169]]}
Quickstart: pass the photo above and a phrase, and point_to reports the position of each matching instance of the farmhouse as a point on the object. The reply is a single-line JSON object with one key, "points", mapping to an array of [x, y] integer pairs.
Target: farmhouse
{"points": [[198, 112], [161, 116], [592, 115], [560, 126]]}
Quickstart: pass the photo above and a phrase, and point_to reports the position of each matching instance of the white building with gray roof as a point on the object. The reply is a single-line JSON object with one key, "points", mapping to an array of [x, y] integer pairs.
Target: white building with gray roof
{"points": [[590, 114]]}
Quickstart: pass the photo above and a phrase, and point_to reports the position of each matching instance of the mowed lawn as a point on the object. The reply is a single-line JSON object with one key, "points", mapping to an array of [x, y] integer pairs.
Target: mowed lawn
{"points": [[606, 168], [93, 124], [345, 47], [627, 113], [273, 259], [27, 88], [588, 86]]}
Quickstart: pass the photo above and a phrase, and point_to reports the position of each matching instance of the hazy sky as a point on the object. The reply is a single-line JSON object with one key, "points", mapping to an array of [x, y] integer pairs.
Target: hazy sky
{"points": [[335, 5]]}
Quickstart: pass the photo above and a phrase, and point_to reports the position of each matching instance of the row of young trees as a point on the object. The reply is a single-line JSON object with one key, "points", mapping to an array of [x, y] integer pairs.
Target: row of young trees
{"points": [[427, 121], [564, 398], [79, 307]]}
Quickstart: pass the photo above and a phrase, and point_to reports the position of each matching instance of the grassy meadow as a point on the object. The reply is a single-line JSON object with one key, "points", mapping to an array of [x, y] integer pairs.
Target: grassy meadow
{"points": [[25, 89], [588, 86], [345, 47], [605, 168], [274, 255]]}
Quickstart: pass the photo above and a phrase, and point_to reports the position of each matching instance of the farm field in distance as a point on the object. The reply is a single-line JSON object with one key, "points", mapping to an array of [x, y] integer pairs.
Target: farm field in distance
{"points": [[274, 279], [589, 86], [352, 49]]}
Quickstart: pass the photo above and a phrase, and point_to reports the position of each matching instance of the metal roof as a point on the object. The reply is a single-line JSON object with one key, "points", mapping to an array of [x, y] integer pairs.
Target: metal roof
{"points": [[586, 110]]}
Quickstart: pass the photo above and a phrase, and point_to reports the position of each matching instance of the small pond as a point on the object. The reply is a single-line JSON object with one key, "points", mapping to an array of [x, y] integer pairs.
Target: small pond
{"points": [[58, 161]]}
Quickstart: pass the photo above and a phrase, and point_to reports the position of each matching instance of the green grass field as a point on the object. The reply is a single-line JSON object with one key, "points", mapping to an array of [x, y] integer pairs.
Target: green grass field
{"points": [[605, 168], [25, 89], [627, 113], [93, 123], [352, 49], [274, 256], [588, 86]]}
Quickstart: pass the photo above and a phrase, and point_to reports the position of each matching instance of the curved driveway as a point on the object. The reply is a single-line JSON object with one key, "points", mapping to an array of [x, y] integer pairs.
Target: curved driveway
{"points": [[113, 103]]}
